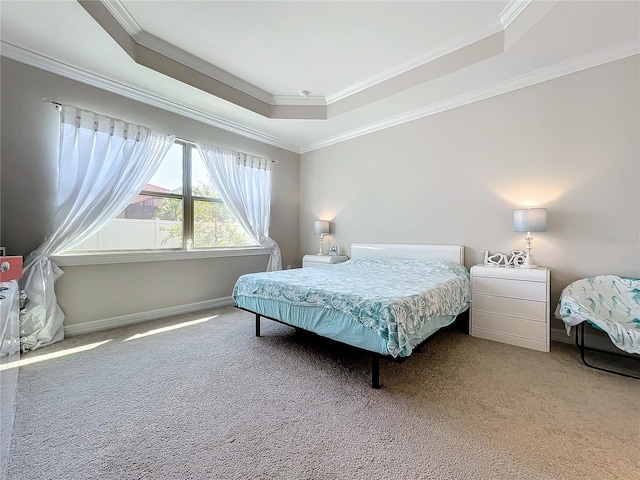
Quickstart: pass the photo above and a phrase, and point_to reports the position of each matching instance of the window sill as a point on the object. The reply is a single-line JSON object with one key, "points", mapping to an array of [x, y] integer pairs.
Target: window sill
{"points": [[154, 256]]}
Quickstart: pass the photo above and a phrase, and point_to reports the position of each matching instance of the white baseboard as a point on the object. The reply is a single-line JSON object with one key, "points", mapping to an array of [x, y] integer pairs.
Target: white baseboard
{"points": [[131, 319], [591, 340]]}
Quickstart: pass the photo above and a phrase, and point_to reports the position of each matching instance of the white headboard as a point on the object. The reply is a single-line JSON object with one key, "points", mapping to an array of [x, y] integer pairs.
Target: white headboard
{"points": [[453, 253]]}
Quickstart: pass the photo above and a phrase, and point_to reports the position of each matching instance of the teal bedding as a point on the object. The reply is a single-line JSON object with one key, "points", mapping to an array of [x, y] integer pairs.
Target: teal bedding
{"points": [[610, 303], [386, 306]]}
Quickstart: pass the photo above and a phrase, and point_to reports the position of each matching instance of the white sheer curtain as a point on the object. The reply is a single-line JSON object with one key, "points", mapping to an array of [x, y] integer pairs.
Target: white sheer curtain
{"points": [[244, 183], [103, 164]]}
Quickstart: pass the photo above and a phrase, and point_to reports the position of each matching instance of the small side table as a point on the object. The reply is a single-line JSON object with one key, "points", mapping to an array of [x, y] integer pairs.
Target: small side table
{"points": [[511, 305], [322, 260]]}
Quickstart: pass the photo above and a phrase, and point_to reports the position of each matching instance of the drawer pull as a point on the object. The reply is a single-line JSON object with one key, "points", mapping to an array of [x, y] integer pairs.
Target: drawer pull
{"points": [[5, 266]]}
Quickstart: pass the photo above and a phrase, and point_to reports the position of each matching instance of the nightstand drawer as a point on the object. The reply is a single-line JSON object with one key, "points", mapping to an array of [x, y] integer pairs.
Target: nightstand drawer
{"points": [[512, 307], [520, 289], [511, 340], [510, 326]]}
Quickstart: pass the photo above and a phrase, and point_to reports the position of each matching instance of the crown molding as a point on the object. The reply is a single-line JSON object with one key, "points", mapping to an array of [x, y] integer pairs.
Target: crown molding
{"points": [[285, 100], [562, 69], [126, 21], [506, 17], [54, 66], [511, 11], [123, 17], [595, 59], [145, 39], [415, 62]]}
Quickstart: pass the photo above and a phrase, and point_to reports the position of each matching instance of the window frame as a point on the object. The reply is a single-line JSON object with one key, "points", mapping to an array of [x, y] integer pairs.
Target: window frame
{"points": [[187, 197], [138, 256], [96, 257]]}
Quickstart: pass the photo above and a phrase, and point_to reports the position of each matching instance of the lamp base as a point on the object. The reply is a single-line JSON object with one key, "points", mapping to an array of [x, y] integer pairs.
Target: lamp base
{"points": [[321, 251], [528, 260]]}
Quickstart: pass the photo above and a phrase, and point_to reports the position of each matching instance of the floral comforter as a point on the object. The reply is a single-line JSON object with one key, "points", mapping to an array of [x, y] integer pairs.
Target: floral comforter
{"points": [[392, 296]]}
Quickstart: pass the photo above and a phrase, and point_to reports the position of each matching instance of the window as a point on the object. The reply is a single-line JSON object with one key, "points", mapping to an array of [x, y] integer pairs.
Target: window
{"points": [[178, 204]]}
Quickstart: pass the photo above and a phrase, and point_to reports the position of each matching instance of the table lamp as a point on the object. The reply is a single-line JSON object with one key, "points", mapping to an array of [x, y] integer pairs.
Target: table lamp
{"points": [[529, 220], [321, 227]]}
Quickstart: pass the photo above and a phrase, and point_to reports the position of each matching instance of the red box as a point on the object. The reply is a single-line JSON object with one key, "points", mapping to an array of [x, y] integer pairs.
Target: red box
{"points": [[10, 268]]}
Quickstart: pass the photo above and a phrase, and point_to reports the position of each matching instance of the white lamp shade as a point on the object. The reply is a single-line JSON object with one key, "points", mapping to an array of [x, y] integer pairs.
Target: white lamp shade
{"points": [[530, 220], [321, 227]]}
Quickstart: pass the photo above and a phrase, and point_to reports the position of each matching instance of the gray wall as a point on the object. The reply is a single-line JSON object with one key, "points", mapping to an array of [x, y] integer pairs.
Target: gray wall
{"points": [[30, 131], [570, 145]]}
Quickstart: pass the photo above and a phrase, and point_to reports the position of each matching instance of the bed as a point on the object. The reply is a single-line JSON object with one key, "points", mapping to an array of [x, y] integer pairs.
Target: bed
{"points": [[388, 299]]}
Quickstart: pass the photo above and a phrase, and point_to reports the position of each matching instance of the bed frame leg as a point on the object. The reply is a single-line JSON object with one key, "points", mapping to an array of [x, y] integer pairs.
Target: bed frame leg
{"points": [[257, 325], [375, 371]]}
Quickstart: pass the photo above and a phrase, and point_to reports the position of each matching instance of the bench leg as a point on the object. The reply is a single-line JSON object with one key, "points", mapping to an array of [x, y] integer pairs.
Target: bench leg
{"points": [[257, 325], [583, 348]]}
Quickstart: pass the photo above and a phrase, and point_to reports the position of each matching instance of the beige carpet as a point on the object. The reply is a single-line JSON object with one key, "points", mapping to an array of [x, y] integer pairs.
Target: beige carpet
{"points": [[200, 397]]}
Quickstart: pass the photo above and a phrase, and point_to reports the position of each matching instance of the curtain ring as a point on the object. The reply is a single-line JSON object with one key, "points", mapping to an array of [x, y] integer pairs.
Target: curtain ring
{"points": [[78, 119], [95, 126], [111, 130]]}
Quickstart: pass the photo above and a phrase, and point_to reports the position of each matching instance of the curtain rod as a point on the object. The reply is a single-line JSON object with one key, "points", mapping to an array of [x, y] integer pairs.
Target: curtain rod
{"points": [[183, 140], [191, 142], [56, 104]]}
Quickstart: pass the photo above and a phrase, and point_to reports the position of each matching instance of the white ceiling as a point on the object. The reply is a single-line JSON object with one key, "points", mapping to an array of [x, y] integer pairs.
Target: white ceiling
{"points": [[367, 65]]}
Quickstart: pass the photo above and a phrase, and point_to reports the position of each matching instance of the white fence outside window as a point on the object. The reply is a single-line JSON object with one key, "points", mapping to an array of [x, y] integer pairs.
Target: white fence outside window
{"points": [[133, 234]]}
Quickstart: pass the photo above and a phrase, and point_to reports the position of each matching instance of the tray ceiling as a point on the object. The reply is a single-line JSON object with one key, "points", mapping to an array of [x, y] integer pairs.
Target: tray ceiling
{"points": [[304, 75]]}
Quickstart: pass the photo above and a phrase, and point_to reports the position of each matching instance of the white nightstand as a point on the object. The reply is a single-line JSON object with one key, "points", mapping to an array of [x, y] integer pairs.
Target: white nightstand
{"points": [[322, 260], [511, 305]]}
